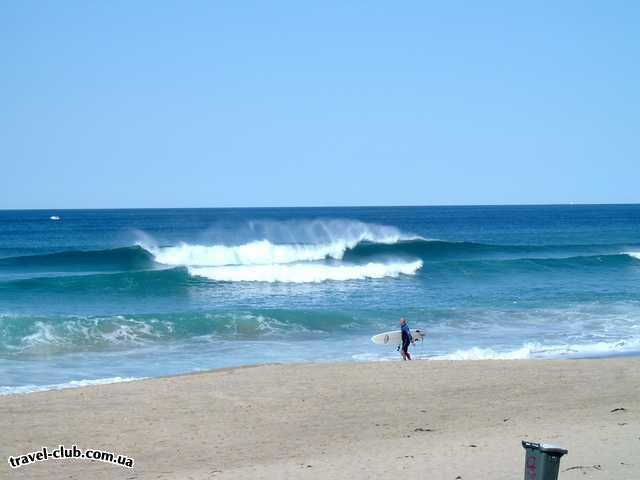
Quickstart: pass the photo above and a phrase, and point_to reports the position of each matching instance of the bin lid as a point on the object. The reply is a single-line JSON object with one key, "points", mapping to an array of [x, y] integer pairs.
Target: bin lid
{"points": [[545, 447]]}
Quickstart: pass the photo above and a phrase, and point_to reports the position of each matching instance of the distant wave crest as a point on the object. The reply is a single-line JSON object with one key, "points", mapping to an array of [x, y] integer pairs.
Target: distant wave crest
{"points": [[294, 252]]}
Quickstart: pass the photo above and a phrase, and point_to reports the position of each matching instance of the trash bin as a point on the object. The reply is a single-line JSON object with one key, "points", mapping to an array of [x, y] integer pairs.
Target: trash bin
{"points": [[542, 461]]}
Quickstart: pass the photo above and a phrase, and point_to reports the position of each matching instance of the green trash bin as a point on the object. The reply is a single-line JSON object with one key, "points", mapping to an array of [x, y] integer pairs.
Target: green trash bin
{"points": [[542, 461]]}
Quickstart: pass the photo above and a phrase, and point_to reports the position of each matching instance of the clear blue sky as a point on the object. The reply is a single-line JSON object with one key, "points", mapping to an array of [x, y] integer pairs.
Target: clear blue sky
{"points": [[178, 104]]}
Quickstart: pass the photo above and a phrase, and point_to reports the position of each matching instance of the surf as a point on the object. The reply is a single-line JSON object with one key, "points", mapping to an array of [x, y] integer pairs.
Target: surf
{"points": [[306, 272], [536, 350], [44, 335]]}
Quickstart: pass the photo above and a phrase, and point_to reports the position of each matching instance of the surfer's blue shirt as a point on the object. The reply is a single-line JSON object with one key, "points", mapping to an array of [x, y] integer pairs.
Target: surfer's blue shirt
{"points": [[406, 333]]}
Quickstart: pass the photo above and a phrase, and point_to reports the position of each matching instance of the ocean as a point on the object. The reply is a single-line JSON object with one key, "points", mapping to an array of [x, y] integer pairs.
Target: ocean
{"points": [[100, 296]]}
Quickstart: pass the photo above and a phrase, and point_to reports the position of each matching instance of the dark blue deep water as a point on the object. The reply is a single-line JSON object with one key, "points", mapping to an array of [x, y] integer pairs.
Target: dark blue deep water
{"points": [[101, 295]]}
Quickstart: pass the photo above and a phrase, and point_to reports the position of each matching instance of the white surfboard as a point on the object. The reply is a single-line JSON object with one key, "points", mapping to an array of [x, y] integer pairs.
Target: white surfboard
{"points": [[395, 337]]}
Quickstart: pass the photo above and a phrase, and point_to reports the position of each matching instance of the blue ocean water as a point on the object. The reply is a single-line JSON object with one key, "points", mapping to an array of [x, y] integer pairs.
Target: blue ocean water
{"points": [[107, 295]]}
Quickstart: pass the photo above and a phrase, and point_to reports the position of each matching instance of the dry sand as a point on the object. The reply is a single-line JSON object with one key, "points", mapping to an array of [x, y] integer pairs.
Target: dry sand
{"points": [[422, 419]]}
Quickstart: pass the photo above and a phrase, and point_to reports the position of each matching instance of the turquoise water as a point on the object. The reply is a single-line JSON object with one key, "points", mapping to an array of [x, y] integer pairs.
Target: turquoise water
{"points": [[101, 296]]}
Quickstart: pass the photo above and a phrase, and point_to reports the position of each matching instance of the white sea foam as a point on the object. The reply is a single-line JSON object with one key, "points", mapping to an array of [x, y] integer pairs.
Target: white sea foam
{"points": [[635, 255], [260, 252], [540, 351], [44, 334], [305, 272], [67, 334], [61, 386]]}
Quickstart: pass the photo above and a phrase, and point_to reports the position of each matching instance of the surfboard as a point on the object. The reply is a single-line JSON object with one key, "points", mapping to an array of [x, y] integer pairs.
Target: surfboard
{"points": [[395, 337]]}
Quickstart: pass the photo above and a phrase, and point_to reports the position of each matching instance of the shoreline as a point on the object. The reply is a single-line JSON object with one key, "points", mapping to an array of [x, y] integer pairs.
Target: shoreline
{"points": [[442, 419], [88, 383]]}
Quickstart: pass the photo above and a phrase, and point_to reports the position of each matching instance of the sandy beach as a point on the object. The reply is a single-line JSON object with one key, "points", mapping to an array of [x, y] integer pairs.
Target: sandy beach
{"points": [[422, 419]]}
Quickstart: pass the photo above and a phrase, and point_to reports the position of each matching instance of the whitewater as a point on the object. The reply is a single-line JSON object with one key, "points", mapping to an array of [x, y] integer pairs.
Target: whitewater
{"points": [[264, 261], [108, 296]]}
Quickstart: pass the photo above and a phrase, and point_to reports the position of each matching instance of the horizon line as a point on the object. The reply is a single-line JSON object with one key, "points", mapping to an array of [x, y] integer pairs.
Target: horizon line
{"points": [[564, 204]]}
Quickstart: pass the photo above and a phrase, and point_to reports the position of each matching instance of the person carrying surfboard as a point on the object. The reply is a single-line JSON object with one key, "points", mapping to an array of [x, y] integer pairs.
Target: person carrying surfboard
{"points": [[407, 338]]}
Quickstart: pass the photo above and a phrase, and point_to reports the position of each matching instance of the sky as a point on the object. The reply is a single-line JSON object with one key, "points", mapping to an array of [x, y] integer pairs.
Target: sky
{"points": [[115, 104]]}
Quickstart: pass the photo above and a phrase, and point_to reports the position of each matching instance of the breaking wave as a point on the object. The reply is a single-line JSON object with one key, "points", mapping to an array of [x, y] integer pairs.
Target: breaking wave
{"points": [[291, 252], [280, 243], [260, 252]]}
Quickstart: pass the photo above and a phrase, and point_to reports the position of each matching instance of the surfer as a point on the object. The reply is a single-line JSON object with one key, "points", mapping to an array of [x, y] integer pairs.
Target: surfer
{"points": [[407, 338]]}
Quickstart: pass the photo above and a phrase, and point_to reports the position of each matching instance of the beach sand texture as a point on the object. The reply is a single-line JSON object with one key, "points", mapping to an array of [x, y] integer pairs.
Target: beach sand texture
{"points": [[413, 420]]}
